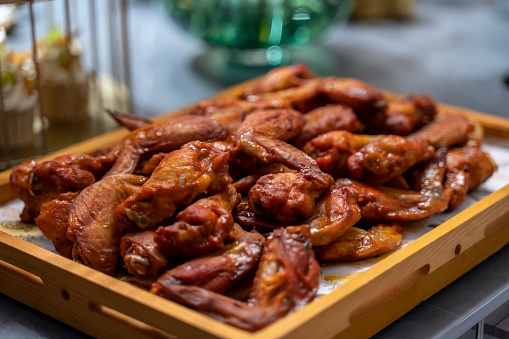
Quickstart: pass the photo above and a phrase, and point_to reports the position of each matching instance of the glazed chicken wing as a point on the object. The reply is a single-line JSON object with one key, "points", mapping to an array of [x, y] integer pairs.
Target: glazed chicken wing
{"points": [[286, 197], [280, 78], [286, 280], [403, 115], [387, 157], [53, 221], [334, 214], [445, 130], [362, 97], [331, 150], [142, 255], [357, 244], [36, 184], [195, 169], [383, 204], [471, 159], [220, 270], [164, 136], [202, 227], [324, 119], [95, 234]]}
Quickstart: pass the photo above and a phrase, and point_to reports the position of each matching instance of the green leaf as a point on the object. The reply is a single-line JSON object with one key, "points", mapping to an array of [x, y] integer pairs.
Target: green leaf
{"points": [[8, 77], [53, 36]]}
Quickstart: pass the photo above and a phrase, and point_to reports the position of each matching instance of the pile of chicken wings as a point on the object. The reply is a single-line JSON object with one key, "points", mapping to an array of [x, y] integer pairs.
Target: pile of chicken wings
{"points": [[226, 207]]}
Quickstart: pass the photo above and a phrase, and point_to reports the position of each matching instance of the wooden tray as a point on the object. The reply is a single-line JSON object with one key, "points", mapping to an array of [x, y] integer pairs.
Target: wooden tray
{"points": [[103, 306]]}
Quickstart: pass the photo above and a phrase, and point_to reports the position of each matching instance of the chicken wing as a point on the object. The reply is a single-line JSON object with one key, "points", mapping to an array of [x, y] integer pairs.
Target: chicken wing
{"points": [[324, 119], [286, 197], [471, 159], [357, 244], [53, 221], [36, 184], [445, 130], [202, 227], [280, 78], [403, 115], [286, 280], [195, 169], [332, 149], [334, 214], [142, 256], [165, 136], [93, 231], [387, 157], [383, 204], [220, 270], [362, 97]]}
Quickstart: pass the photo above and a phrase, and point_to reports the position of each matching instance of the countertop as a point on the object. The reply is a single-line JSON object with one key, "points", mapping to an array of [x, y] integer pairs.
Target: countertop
{"points": [[455, 50]]}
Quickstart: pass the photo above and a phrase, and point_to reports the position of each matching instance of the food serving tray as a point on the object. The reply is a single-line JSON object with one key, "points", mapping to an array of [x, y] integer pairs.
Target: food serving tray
{"points": [[358, 303]]}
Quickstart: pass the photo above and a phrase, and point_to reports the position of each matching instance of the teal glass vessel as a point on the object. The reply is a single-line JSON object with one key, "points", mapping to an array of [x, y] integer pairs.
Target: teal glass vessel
{"points": [[257, 32]]}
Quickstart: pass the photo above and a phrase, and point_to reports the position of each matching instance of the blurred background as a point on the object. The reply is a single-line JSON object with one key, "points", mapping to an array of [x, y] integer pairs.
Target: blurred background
{"points": [[148, 57]]}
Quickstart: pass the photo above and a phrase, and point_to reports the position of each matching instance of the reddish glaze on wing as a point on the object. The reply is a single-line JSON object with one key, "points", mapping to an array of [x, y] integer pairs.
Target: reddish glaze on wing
{"points": [[356, 244], [202, 227], [182, 175], [142, 255], [220, 270], [93, 231], [53, 221], [163, 136]]}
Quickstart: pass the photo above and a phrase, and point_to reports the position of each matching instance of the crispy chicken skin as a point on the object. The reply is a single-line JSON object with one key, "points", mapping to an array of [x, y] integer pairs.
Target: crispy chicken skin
{"points": [[93, 231], [163, 136], [142, 256], [202, 227], [195, 169], [286, 280], [220, 270], [356, 244], [53, 221]]}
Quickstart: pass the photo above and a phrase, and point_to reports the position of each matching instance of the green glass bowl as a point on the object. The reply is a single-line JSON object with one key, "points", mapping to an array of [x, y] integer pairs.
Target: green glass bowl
{"points": [[257, 32]]}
